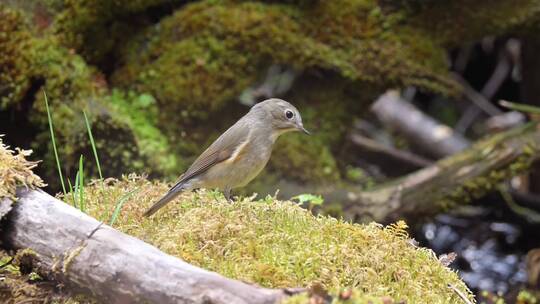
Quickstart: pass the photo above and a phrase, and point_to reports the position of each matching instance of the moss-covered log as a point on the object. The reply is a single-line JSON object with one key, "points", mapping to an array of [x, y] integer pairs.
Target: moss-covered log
{"points": [[451, 181]]}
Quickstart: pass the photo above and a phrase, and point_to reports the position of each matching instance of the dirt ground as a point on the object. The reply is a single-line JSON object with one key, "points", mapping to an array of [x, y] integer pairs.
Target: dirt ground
{"points": [[19, 284]]}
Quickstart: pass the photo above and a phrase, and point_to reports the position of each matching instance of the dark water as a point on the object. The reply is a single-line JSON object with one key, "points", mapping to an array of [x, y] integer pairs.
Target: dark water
{"points": [[491, 250]]}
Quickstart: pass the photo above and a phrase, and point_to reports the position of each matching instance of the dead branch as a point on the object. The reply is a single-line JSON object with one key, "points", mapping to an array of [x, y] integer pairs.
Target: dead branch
{"points": [[399, 155], [110, 265], [451, 180], [481, 100], [435, 138]]}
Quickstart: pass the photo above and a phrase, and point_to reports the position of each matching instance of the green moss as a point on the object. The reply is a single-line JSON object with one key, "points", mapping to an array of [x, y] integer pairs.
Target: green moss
{"points": [[278, 244], [525, 296], [304, 158], [480, 186], [126, 140], [73, 87], [224, 45], [140, 113], [481, 17], [14, 63], [94, 27], [176, 78]]}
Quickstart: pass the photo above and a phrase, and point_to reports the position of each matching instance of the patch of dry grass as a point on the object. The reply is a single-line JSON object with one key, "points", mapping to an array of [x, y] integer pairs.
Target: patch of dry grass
{"points": [[16, 171], [278, 244]]}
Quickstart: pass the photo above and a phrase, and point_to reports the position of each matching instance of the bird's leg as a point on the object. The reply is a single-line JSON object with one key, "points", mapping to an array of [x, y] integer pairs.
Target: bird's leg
{"points": [[227, 194]]}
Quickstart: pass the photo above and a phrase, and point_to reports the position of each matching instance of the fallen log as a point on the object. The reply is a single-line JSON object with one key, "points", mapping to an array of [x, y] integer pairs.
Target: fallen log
{"points": [[451, 181], [77, 250]]}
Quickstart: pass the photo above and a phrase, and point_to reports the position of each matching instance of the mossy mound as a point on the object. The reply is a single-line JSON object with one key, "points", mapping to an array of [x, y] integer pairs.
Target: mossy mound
{"points": [[123, 123], [14, 64], [199, 59], [95, 27], [278, 244], [225, 45]]}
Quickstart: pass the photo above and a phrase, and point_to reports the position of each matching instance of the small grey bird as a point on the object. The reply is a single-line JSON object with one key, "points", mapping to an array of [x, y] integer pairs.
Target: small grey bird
{"points": [[239, 154]]}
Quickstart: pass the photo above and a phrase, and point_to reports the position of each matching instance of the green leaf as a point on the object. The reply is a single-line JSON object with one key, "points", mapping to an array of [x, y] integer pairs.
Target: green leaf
{"points": [[315, 200]]}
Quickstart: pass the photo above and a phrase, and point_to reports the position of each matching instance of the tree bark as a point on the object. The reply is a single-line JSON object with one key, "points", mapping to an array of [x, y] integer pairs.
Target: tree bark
{"points": [[113, 266]]}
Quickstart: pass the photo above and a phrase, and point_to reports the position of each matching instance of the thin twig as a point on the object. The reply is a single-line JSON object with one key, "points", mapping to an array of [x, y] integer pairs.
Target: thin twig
{"points": [[95, 230], [401, 155], [481, 100], [529, 214], [460, 294], [477, 98], [501, 72]]}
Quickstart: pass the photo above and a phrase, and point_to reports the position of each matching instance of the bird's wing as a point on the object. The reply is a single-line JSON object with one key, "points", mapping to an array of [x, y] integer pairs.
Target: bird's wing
{"points": [[223, 148]]}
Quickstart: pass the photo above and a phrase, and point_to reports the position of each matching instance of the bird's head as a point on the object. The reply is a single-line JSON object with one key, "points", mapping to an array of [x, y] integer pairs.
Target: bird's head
{"points": [[284, 117]]}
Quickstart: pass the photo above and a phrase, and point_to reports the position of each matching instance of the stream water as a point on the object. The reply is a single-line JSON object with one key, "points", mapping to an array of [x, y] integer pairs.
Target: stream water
{"points": [[491, 248]]}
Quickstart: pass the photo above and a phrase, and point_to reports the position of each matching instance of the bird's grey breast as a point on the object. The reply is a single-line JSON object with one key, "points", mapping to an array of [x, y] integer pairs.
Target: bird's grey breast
{"points": [[248, 159], [255, 156]]}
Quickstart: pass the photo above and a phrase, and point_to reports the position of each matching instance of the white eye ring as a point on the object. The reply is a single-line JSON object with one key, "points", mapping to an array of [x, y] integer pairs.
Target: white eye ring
{"points": [[289, 114]]}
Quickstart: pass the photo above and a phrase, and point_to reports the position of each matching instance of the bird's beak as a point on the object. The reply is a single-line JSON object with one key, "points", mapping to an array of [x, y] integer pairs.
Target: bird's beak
{"points": [[301, 128]]}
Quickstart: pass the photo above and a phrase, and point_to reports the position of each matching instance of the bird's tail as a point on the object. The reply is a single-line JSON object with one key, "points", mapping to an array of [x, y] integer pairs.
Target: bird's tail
{"points": [[174, 192]]}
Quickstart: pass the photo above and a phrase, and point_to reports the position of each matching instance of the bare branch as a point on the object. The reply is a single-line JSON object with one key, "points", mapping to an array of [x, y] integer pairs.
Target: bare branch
{"points": [[437, 139]]}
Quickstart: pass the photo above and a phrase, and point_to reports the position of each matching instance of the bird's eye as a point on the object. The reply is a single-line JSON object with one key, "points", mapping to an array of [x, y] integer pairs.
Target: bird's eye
{"points": [[289, 114]]}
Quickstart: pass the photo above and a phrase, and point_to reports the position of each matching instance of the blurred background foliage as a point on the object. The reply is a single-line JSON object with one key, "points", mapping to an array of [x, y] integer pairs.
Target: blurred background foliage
{"points": [[155, 76], [161, 79]]}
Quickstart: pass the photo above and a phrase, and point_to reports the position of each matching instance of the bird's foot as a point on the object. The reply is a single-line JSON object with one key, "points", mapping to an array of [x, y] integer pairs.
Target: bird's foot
{"points": [[227, 194]]}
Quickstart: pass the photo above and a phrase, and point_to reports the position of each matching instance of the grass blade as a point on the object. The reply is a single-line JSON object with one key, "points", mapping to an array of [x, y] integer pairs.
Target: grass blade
{"points": [[93, 144], [72, 193], [81, 185], [119, 204], [525, 108], [76, 188], [49, 117]]}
